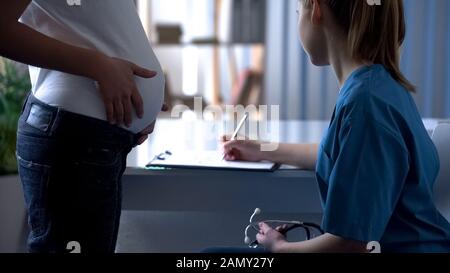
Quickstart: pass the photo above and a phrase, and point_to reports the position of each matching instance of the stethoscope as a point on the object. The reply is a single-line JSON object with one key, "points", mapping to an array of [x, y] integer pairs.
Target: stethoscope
{"points": [[292, 225]]}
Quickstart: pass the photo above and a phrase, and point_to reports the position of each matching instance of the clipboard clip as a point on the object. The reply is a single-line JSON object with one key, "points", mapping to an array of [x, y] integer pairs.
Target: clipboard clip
{"points": [[161, 156]]}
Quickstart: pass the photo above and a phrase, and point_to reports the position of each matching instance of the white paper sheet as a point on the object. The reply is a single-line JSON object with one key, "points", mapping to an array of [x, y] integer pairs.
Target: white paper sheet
{"points": [[208, 160]]}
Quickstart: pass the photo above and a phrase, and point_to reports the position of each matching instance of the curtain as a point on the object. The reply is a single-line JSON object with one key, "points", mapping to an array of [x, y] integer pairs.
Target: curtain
{"points": [[307, 92]]}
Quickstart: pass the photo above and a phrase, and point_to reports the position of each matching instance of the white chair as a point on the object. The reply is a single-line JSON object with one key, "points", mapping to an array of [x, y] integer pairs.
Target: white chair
{"points": [[441, 138]]}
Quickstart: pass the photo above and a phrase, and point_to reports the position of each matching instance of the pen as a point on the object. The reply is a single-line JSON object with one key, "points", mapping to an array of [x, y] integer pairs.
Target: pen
{"points": [[238, 128]]}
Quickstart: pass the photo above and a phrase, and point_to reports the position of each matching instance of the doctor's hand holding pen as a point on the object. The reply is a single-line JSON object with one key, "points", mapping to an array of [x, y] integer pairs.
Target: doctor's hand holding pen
{"points": [[303, 156]]}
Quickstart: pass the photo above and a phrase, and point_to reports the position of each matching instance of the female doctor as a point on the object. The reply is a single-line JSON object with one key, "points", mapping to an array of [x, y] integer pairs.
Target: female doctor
{"points": [[376, 165]]}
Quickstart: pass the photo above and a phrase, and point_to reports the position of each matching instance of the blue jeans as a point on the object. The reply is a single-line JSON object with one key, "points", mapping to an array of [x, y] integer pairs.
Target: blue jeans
{"points": [[71, 168]]}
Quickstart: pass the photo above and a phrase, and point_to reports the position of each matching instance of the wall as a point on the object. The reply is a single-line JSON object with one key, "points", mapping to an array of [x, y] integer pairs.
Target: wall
{"points": [[13, 227]]}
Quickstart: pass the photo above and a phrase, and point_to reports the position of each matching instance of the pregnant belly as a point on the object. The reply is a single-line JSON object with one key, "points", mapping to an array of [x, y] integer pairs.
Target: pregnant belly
{"points": [[152, 93], [81, 96]]}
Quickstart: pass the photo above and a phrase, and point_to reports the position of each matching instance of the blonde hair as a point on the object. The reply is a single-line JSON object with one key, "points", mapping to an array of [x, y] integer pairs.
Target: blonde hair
{"points": [[375, 33]]}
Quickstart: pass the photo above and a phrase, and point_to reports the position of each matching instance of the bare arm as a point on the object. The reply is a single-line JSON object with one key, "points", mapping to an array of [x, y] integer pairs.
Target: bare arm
{"points": [[326, 243], [300, 155], [23, 44], [274, 241], [114, 76]]}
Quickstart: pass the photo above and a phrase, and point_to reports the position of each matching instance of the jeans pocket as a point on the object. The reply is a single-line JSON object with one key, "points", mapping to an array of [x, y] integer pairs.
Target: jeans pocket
{"points": [[35, 179]]}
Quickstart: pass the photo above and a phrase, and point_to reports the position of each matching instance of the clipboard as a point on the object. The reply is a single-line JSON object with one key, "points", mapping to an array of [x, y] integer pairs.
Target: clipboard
{"points": [[212, 160]]}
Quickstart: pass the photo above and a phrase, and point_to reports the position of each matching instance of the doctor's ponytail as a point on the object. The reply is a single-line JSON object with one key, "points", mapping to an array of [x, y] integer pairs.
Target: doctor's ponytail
{"points": [[375, 30]]}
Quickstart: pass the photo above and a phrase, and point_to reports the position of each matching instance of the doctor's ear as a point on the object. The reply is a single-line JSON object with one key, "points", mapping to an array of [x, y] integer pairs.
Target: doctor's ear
{"points": [[316, 11]]}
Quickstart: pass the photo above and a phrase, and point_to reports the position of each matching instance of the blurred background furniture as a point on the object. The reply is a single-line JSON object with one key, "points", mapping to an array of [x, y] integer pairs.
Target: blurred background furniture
{"points": [[206, 45]]}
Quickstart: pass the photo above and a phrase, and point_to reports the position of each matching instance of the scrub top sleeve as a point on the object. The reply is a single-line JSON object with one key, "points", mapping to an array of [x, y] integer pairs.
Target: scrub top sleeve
{"points": [[366, 181]]}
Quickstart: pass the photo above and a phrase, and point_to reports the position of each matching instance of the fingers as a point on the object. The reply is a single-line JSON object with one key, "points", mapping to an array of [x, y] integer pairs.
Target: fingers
{"points": [[142, 139], [119, 92], [149, 129], [230, 157], [146, 131], [142, 72], [270, 238], [231, 154], [110, 113], [121, 110], [234, 144], [265, 228], [118, 112], [225, 138], [138, 104], [127, 111], [282, 229], [261, 238], [232, 149]]}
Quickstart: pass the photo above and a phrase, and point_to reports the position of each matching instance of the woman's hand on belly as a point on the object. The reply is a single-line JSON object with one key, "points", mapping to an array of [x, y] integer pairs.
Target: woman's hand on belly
{"points": [[117, 86]]}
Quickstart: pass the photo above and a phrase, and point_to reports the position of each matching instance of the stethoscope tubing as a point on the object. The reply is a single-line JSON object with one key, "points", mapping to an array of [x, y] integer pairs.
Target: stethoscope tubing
{"points": [[293, 225]]}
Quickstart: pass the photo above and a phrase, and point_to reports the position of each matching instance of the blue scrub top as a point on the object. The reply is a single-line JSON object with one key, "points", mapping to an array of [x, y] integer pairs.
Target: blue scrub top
{"points": [[377, 166]]}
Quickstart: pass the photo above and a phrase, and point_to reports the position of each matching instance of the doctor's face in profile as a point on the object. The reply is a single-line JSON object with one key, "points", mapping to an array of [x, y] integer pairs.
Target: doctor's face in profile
{"points": [[311, 31]]}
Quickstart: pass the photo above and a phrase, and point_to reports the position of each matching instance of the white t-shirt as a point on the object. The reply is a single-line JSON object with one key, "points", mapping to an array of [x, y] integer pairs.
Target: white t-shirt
{"points": [[109, 26]]}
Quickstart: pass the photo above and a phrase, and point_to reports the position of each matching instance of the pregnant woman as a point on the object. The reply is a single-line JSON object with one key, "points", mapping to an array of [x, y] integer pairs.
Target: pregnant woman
{"points": [[93, 99]]}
